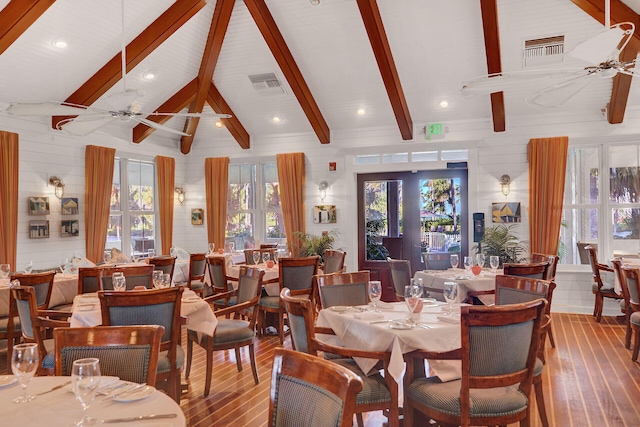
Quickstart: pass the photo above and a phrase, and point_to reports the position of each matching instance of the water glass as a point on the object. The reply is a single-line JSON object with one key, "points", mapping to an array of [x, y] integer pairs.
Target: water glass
{"points": [[494, 262], [5, 270], [64, 262], [265, 257], [450, 294], [28, 267], [455, 259], [85, 378], [107, 256], [172, 251], [135, 257], [119, 282], [480, 260], [212, 248], [256, 256], [166, 281], [24, 363], [151, 253], [412, 296], [468, 263], [232, 246], [157, 279], [374, 287]]}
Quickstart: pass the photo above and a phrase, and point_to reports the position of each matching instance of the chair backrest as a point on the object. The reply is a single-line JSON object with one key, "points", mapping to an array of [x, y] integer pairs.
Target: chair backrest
{"points": [[297, 274], [328, 390], [218, 274], [333, 261], [622, 279], [249, 290], [268, 245], [197, 267], [538, 270], [583, 253], [25, 303], [516, 290], [164, 263], [89, 279], [139, 346], [551, 259], [436, 261], [513, 332], [248, 254], [632, 281], [136, 275], [342, 288], [400, 275], [301, 316], [42, 283], [592, 255]]}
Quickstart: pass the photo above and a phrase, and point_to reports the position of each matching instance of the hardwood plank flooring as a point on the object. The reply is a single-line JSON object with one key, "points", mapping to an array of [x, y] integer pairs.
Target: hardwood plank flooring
{"points": [[589, 380]]}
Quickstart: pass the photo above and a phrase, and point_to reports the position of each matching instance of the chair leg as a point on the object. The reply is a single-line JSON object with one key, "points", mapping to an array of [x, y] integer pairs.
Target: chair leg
{"points": [[254, 367], [542, 409], [598, 310], [238, 359], [208, 372], [636, 346], [187, 370], [552, 341], [281, 327], [359, 419], [627, 338]]}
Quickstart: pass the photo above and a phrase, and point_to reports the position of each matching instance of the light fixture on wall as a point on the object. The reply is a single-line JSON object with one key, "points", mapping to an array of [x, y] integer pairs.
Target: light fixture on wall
{"points": [[323, 189], [180, 192], [505, 183], [58, 185]]}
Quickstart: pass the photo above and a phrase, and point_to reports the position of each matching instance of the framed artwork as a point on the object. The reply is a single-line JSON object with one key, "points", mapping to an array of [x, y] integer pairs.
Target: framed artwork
{"points": [[38, 206], [505, 212], [197, 216], [324, 214], [39, 229], [69, 206], [70, 228]]}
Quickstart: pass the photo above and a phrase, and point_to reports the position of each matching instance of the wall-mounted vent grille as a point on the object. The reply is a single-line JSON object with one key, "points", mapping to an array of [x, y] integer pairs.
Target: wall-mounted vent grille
{"points": [[266, 84], [548, 50]]}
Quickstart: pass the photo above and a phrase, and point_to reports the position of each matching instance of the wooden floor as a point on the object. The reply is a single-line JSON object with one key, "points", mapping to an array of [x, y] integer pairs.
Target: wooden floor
{"points": [[589, 380]]}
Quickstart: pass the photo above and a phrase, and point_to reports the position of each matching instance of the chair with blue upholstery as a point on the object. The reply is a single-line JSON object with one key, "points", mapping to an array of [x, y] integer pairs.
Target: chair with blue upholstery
{"points": [[34, 324], [219, 281], [378, 392], [633, 285], [233, 333], [537, 270], [135, 275], [197, 271], [42, 283], [166, 264], [333, 261], [603, 285], [625, 302], [342, 288], [152, 307], [139, 346], [492, 390]]}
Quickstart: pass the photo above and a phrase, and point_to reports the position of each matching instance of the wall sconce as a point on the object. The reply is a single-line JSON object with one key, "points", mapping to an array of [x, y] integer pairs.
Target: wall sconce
{"points": [[505, 183], [58, 185], [323, 189], [180, 192]]}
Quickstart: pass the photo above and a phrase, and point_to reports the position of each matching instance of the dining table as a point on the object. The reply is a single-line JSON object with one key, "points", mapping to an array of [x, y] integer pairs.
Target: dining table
{"points": [[485, 281], [64, 289], [181, 269], [59, 407]]}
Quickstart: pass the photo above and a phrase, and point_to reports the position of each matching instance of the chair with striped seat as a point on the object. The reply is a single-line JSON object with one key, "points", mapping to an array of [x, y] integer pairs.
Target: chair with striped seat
{"points": [[538, 270], [333, 261], [42, 284], [166, 264], [400, 275], [633, 285], [197, 271], [341, 289]]}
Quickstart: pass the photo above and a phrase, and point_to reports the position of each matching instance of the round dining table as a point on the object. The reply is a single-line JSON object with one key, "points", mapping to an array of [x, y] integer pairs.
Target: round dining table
{"points": [[60, 407]]}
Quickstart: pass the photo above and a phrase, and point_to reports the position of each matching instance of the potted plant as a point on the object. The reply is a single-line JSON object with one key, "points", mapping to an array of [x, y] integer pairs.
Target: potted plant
{"points": [[499, 240], [310, 245]]}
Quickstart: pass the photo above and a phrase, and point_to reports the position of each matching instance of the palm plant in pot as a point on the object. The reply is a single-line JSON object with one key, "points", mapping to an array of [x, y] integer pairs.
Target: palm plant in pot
{"points": [[310, 245], [500, 240]]}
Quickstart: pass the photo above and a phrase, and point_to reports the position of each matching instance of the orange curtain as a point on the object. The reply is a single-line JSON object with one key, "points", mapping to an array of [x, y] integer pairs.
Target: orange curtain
{"points": [[291, 177], [547, 170], [9, 148], [216, 174], [98, 175], [166, 167]]}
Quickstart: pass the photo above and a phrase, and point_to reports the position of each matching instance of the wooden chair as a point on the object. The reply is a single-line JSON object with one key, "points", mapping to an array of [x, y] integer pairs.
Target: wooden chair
{"points": [[42, 283], [268, 245], [10, 330], [625, 302], [602, 287], [341, 289], [400, 275], [538, 270], [330, 391], [333, 261], [378, 392], [295, 274], [136, 275], [127, 352], [436, 260], [197, 271], [232, 333], [34, 324], [248, 254], [553, 264], [164, 263], [632, 280], [152, 307], [493, 390], [89, 279], [219, 281], [582, 251]]}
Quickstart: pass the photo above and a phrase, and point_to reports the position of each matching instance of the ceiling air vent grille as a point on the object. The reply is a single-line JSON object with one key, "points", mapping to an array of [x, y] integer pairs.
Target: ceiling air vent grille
{"points": [[266, 84], [548, 50]]}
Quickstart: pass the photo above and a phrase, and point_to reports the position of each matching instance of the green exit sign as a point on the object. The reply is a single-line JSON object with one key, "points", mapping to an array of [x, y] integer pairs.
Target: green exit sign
{"points": [[434, 130]]}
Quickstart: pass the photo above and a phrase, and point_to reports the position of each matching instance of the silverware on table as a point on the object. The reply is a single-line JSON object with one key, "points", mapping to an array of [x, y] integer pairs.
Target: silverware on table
{"points": [[139, 418], [127, 391], [58, 387], [110, 389]]}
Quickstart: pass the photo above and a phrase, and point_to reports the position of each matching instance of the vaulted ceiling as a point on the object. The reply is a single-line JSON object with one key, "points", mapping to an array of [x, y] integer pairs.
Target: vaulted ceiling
{"points": [[393, 59]]}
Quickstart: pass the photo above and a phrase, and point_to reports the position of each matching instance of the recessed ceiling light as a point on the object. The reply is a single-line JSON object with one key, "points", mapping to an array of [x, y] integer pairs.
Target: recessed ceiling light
{"points": [[276, 119], [59, 43], [362, 112], [314, 2], [444, 103], [218, 124], [149, 75]]}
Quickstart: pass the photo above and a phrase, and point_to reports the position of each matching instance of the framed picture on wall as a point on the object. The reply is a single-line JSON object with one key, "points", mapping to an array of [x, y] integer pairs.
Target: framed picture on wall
{"points": [[324, 214], [38, 206], [69, 206], [70, 228], [197, 216], [39, 229], [505, 212]]}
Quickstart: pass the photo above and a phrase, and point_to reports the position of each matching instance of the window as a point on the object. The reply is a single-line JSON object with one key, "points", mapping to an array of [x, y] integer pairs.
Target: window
{"points": [[610, 220], [254, 212], [132, 221]]}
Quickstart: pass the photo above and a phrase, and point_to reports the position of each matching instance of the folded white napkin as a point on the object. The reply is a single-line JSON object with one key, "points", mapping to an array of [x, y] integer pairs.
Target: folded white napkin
{"points": [[383, 305], [368, 315], [449, 319]]}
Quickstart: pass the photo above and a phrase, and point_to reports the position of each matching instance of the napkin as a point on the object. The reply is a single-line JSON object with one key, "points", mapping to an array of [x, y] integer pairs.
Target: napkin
{"points": [[384, 305], [449, 319], [368, 315]]}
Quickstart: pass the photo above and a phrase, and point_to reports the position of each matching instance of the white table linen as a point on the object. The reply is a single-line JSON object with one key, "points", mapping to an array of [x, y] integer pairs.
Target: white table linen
{"points": [[486, 281], [60, 407], [269, 280], [65, 287], [181, 270]]}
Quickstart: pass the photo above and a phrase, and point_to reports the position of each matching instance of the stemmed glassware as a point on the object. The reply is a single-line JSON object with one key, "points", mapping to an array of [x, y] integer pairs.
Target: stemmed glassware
{"points": [[28, 266], [212, 248], [232, 246], [468, 263], [118, 281], [85, 378], [450, 295], [157, 279], [107, 256], [480, 260], [24, 363], [63, 264], [455, 259], [172, 251], [494, 262], [374, 287], [5, 270], [256, 256], [151, 253], [265, 257], [412, 295], [166, 281]]}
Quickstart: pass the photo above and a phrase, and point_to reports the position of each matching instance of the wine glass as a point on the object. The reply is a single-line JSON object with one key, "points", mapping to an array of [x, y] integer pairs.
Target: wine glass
{"points": [[135, 257], [232, 246], [455, 259], [265, 257], [494, 261], [107, 256], [212, 248], [468, 263], [5, 270], [412, 295], [480, 260], [375, 292], [157, 279], [256, 257], [24, 363], [450, 294], [166, 281], [28, 266], [63, 264], [172, 251], [85, 378], [118, 281], [151, 253]]}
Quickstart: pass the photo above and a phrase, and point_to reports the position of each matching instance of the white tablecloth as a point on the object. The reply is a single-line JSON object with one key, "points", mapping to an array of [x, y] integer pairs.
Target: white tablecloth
{"points": [[486, 281], [60, 408], [181, 270], [269, 280], [65, 287]]}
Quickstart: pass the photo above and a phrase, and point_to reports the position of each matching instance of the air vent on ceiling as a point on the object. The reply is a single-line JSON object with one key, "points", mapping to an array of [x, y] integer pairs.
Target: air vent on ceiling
{"points": [[266, 84], [548, 50]]}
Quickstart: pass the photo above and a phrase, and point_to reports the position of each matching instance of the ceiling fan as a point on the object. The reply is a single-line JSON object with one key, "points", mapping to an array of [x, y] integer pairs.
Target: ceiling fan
{"points": [[601, 51], [120, 106]]}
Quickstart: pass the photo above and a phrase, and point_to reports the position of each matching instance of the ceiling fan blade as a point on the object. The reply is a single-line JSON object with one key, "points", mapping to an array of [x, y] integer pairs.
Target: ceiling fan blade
{"points": [[81, 126], [45, 109], [558, 94], [219, 116], [497, 83], [158, 126], [122, 100], [600, 47]]}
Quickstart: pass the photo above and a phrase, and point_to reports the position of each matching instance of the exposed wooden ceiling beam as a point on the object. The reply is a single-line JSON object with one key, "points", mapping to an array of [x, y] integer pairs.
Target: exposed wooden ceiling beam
{"points": [[489, 10], [272, 36], [233, 125], [152, 37], [179, 101], [17, 16], [620, 12], [217, 31], [382, 51]]}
